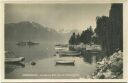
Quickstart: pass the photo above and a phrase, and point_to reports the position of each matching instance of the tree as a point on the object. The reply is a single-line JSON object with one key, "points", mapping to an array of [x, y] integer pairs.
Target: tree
{"points": [[95, 40], [72, 40], [78, 39], [86, 36], [110, 29], [102, 30]]}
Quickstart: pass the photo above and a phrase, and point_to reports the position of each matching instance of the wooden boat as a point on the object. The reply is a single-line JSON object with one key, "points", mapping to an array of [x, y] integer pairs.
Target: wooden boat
{"points": [[66, 62], [70, 53], [61, 45], [14, 60]]}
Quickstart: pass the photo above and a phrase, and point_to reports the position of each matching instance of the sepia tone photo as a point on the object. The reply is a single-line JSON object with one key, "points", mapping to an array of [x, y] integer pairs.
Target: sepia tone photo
{"points": [[64, 82], [63, 41]]}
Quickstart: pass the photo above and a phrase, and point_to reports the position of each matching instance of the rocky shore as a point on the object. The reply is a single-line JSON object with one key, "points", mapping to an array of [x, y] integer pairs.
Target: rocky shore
{"points": [[109, 67]]}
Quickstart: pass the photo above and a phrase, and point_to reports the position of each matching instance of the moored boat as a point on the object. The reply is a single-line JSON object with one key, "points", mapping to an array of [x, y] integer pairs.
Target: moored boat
{"points": [[14, 60], [66, 62], [21, 43], [61, 45], [69, 53]]}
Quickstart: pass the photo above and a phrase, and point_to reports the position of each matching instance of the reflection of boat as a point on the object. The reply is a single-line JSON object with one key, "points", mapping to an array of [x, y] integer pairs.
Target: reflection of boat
{"points": [[16, 64], [14, 60], [26, 43], [66, 62]]}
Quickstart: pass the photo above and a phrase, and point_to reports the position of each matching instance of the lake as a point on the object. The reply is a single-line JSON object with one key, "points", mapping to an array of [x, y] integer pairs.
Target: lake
{"points": [[45, 68]]}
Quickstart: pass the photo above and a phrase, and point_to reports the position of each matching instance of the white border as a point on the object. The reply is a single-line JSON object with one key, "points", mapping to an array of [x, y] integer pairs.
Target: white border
{"points": [[64, 1], [125, 35]]}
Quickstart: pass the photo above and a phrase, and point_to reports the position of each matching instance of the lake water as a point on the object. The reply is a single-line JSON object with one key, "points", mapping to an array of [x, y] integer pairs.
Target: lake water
{"points": [[45, 68]]}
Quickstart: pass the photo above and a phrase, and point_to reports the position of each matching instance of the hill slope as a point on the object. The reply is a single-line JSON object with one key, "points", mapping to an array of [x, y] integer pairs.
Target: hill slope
{"points": [[30, 31]]}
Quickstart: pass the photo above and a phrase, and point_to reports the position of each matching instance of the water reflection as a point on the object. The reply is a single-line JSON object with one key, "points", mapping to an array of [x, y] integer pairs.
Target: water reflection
{"points": [[93, 57], [9, 67], [27, 46], [43, 56], [16, 64]]}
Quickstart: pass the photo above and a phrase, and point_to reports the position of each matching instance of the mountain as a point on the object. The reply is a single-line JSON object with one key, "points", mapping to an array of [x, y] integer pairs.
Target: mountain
{"points": [[26, 30]]}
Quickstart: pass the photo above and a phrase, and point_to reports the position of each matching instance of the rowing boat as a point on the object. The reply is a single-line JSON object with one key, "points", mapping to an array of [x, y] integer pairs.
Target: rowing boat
{"points": [[13, 60], [71, 62]]}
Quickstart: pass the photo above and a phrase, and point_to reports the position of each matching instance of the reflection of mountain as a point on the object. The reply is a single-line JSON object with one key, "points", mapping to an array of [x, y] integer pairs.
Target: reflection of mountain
{"points": [[30, 31]]}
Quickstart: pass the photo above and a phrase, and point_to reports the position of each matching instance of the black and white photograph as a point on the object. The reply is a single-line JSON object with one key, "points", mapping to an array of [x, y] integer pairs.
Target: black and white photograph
{"points": [[63, 41], [64, 82]]}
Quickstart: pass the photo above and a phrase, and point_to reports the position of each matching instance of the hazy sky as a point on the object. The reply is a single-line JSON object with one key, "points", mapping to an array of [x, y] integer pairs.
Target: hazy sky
{"points": [[57, 16]]}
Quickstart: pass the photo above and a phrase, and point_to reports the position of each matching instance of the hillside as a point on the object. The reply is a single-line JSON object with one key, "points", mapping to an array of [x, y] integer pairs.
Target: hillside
{"points": [[30, 31]]}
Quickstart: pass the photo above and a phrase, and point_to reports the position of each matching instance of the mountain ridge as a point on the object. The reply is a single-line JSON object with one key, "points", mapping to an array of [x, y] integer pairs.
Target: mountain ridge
{"points": [[26, 30]]}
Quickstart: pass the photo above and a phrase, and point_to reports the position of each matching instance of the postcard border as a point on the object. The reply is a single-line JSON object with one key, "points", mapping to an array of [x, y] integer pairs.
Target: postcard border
{"points": [[125, 43]]}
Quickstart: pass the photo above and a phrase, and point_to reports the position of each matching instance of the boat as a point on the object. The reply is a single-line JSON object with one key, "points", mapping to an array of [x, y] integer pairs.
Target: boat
{"points": [[31, 43], [65, 62], [61, 45], [70, 53], [14, 60], [21, 43], [61, 48]]}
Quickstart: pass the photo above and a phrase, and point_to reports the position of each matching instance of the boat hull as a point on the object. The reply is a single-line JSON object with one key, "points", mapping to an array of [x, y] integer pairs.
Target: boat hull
{"points": [[14, 60], [65, 63]]}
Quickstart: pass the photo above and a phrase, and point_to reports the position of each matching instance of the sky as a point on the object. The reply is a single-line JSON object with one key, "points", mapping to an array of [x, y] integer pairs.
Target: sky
{"points": [[65, 17]]}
